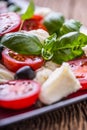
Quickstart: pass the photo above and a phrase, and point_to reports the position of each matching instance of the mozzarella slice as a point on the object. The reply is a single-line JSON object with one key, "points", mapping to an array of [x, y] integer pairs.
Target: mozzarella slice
{"points": [[5, 74], [43, 11], [42, 75], [85, 50], [40, 34], [60, 83]]}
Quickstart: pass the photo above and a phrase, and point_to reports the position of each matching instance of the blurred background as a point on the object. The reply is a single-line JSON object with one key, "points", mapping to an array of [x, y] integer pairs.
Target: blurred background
{"points": [[75, 9]]}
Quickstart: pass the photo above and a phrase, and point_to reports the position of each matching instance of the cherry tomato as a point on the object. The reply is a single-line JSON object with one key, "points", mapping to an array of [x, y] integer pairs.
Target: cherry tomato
{"points": [[18, 94], [79, 67], [9, 22], [13, 61], [39, 18], [33, 23]]}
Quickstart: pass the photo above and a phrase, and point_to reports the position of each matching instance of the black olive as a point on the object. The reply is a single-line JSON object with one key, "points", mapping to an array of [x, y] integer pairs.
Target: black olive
{"points": [[1, 49], [25, 72]]}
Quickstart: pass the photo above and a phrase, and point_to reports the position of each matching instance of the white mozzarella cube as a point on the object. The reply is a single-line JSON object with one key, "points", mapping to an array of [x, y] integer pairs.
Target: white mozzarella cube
{"points": [[43, 11], [85, 49], [42, 75], [60, 83], [40, 34]]}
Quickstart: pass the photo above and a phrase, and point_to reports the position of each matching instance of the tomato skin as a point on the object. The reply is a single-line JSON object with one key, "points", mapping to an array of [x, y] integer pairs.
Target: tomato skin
{"points": [[10, 22], [33, 23], [22, 102], [79, 67], [39, 18], [12, 64], [78, 93]]}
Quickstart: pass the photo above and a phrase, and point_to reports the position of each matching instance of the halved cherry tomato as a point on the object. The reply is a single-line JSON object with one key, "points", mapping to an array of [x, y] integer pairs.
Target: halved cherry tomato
{"points": [[18, 94], [13, 61], [79, 67], [9, 22], [39, 18], [33, 23]]}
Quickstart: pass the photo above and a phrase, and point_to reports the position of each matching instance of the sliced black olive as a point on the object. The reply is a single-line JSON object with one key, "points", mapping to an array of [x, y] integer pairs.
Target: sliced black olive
{"points": [[1, 49], [25, 72]]}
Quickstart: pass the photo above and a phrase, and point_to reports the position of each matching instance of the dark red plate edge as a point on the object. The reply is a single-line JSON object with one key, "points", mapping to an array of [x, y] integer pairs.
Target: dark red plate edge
{"points": [[31, 114]]}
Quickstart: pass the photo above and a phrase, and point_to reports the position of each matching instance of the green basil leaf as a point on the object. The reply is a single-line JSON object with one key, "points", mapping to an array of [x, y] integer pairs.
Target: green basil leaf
{"points": [[69, 46], [53, 22], [48, 47], [29, 12], [70, 26], [22, 43]]}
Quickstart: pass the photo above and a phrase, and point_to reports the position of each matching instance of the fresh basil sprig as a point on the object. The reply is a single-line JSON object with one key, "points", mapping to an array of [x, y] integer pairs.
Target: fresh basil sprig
{"points": [[70, 26], [64, 48], [48, 47], [22, 43], [53, 22], [29, 12], [69, 46]]}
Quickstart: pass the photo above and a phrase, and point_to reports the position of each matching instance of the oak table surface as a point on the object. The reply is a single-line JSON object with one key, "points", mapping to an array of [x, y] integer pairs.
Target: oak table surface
{"points": [[72, 117]]}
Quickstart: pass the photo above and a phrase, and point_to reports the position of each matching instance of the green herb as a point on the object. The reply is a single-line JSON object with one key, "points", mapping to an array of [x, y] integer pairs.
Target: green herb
{"points": [[65, 48], [22, 43], [29, 12], [53, 22], [69, 46], [70, 26], [48, 47]]}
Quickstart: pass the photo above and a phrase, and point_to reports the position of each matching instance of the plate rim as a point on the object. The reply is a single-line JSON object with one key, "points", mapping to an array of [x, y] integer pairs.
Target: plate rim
{"points": [[40, 111]]}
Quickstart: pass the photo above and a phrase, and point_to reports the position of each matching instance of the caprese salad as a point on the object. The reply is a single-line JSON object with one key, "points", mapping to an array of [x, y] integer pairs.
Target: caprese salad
{"points": [[43, 57]]}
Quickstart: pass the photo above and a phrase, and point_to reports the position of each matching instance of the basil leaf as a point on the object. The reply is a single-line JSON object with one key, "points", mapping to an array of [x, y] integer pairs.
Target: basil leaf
{"points": [[70, 26], [22, 43], [29, 12], [53, 22], [69, 46], [47, 50]]}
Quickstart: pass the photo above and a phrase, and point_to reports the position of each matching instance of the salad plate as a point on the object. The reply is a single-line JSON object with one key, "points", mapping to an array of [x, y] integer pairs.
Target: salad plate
{"points": [[10, 116]]}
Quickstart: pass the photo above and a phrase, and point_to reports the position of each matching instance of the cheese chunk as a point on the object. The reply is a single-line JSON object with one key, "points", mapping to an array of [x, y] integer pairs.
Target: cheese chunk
{"points": [[5, 74], [43, 11], [60, 83], [42, 75], [85, 50], [40, 34]]}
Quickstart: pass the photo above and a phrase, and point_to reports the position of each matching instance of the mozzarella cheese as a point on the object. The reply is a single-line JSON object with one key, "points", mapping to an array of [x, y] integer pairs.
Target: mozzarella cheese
{"points": [[85, 49], [43, 11], [60, 83], [42, 75], [40, 33], [5, 74], [51, 65]]}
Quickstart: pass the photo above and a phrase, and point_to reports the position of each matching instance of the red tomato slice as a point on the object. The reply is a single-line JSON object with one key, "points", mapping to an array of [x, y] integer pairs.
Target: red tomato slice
{"points": [[78, 93], [18, 94], [39, 18], [79, 67], [9, 22], [33, 23], [13, 61]]}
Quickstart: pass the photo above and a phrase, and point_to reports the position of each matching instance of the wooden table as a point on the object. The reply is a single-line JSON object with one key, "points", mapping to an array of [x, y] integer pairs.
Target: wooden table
{"points": [[72, 117]]}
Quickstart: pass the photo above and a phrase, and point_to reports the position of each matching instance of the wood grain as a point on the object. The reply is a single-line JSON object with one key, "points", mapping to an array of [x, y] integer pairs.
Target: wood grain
{"points": [[76, 9], [56, 5], [80, 11]]}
